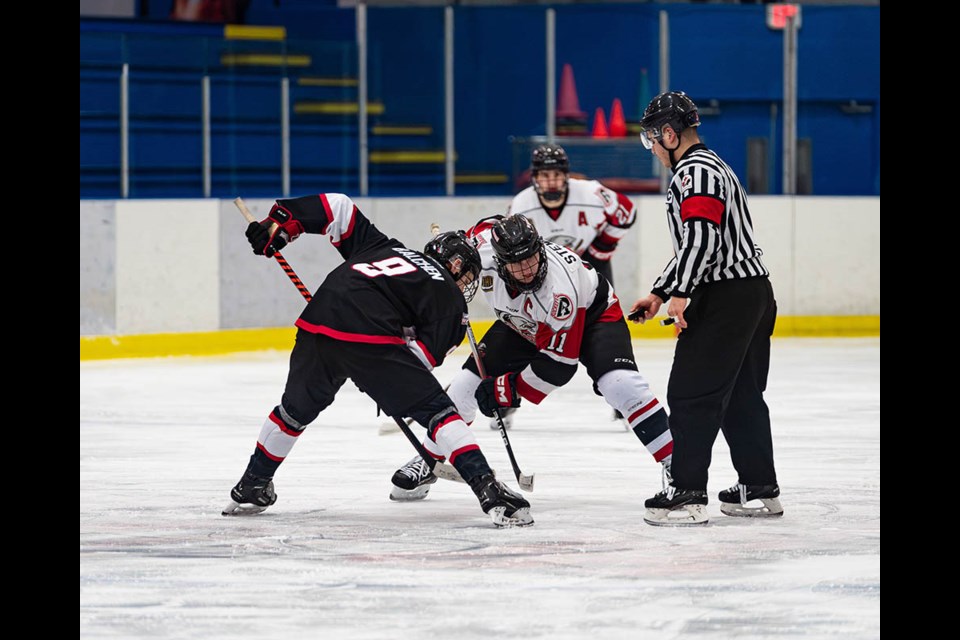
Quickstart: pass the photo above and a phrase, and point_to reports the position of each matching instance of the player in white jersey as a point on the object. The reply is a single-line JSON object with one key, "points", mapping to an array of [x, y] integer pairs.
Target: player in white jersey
{"points": [[581, 215], [553, 312]]}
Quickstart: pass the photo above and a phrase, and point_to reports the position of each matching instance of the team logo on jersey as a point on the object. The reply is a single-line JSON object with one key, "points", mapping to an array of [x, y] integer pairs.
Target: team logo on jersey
{"points": [[562, 306], [605, 196], [486, 283], [526, 328], [686, 182], [563, 240]]}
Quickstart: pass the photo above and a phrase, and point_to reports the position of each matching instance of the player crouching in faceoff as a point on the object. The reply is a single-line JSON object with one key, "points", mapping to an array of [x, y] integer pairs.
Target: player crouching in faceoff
{"points": [[553, 312], [384, 318]]}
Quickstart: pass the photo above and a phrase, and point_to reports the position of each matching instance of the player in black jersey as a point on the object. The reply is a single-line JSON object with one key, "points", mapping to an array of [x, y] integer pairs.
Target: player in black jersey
{"points": [[384, 318]]}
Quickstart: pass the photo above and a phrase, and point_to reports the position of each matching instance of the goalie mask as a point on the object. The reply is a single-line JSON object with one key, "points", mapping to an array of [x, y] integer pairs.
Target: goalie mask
{"points": [[519, 253], [457, 254], [549, 157]]}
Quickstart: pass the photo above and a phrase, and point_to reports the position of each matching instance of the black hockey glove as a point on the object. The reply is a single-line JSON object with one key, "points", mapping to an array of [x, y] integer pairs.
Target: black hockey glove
{"points": [[497, 393], [267, 244]]}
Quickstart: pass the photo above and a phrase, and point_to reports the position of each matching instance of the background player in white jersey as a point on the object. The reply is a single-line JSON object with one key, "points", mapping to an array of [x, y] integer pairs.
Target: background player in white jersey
{"points": [[581, 215], [553, 312]]}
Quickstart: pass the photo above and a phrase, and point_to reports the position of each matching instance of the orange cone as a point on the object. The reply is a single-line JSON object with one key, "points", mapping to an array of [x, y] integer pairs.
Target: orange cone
{"points": [[618, 124], [600, 124], [568, 105]]}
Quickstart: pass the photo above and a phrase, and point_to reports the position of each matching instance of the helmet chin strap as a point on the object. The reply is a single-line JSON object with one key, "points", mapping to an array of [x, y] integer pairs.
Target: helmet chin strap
{"points": [[673, 159]]}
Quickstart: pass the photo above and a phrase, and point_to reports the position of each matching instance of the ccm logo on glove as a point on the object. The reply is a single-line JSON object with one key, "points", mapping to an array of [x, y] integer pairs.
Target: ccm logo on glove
{"points": [[497, 393]]}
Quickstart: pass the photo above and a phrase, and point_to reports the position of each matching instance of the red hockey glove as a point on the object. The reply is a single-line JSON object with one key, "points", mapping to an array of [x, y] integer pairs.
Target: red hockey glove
{"points": [[267, 244], [497, 393]]}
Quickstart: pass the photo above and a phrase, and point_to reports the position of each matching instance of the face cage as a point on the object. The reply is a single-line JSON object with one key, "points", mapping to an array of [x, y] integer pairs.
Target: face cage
{"points": [[551, 195], [528, 287], [470, 290]]}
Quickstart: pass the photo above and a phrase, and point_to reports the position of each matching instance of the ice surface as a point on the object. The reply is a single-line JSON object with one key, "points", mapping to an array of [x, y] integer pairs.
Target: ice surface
{"points": [[163, 440]]}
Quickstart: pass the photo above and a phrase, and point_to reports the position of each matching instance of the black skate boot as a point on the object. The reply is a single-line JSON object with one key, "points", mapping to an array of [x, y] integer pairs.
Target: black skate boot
{"points": [[763, 499], [505, 507], [251, 495], [674, 507], [412, 481]]}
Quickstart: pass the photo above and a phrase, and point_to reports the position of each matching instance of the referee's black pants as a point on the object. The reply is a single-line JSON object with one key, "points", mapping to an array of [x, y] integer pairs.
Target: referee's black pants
{"points": [[717, 382]]}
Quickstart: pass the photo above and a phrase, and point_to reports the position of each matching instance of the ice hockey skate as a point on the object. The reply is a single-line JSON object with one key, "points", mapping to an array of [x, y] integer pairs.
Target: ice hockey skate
{"points": [[507, 416], [412, 481], [674, 507], [251, 495], [751, 501], [505, 507]]}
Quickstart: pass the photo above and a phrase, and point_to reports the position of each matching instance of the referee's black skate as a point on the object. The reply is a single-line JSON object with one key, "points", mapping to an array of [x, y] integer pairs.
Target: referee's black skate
{"points": [[412, 481], [751, 501], [674, 507], [251, 495], [505, 507]]}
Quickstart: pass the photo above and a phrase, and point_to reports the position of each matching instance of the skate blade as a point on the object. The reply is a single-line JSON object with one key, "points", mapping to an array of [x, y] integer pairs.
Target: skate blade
{"points": [[689, 515], [237, 509], [520, 518], [765, 508], [409, 495]]}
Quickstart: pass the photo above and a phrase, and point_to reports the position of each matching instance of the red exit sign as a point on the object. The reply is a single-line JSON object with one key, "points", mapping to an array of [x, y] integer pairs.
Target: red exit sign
{"points": [[777, 15]]}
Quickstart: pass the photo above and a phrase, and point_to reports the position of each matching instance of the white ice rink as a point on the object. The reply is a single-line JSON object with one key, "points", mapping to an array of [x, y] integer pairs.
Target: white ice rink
{"points": [[163, 440]]}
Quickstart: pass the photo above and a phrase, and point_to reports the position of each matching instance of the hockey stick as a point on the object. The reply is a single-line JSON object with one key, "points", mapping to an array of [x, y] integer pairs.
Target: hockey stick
{"points": [[525, 481], [287, 269]]}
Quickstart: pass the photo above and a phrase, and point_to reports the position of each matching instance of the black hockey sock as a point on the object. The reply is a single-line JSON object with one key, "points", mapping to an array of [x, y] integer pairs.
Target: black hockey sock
{"points": [[262, 466], [471, 464]]}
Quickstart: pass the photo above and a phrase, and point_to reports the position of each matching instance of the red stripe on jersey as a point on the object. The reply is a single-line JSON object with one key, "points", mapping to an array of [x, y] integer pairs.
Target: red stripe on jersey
{"points": [[620, 216], [345, 336], [349, 231], [448, 420], [613, 312], [426, 352], [469, 447], [529, 393], [701, 207], [664, 451], [607, 239], [642, 410], [479, 228], [275, 419], [268, 454], [568, 345]]}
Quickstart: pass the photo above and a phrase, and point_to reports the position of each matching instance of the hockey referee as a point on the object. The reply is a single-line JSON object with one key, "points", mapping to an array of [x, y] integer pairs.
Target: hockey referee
{"points": [[718, 290]]}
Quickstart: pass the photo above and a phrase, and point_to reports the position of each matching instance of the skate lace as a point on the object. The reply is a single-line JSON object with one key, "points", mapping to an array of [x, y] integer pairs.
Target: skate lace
{"points": [[667, 477], [415, 469], [741, 490]]}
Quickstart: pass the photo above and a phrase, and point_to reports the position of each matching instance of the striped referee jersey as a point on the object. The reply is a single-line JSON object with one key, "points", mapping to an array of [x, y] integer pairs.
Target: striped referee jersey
{"points": [[710, 226]]}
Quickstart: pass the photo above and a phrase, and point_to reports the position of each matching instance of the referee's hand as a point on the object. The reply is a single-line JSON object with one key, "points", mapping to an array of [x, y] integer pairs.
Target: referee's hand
{"points": [[675, 310]]}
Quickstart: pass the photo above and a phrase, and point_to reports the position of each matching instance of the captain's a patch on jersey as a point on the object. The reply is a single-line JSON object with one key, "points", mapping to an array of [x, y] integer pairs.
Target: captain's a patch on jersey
{"points": [[562, 306], [486, 283]]}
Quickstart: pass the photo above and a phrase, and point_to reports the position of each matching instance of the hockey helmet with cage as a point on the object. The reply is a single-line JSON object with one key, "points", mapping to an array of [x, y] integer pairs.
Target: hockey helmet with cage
{"points": [[547, 157], [672, 108], [446, 248], [515, 239]]}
